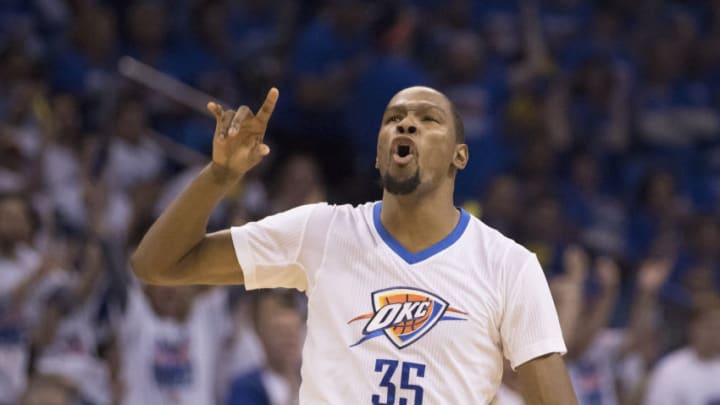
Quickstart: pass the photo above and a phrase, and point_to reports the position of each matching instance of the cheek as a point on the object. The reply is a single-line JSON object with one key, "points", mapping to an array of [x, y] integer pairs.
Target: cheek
{"points": [[383, 141], [437, 156]]}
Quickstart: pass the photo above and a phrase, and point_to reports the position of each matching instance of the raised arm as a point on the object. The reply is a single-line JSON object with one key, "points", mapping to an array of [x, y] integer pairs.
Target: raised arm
{"points": [[600, 310], [176, 250]]}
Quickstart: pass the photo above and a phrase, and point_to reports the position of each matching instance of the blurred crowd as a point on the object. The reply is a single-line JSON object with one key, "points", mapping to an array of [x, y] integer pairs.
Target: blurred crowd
{"points": [[594, 134]]}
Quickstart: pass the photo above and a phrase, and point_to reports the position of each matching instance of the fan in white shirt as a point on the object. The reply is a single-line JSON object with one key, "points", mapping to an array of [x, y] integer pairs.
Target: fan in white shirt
{"points": [[169, 341], [691, 375], [26, 279]]}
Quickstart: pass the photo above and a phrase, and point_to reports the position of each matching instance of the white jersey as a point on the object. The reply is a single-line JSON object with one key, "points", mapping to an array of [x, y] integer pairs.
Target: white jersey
{"points": [[388, 326]]}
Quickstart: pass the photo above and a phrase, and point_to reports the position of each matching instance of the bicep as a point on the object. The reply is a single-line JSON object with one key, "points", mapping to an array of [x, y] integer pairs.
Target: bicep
{"points": [[212, 261], [545, 380]]}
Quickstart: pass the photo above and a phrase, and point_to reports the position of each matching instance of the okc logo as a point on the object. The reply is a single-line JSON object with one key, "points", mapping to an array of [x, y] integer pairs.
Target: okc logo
{"points": [[404, 315]]}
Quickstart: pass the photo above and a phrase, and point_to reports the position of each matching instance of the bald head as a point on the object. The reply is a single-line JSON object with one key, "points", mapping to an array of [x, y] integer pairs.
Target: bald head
{"points": [[439, 98], [420, 143]]}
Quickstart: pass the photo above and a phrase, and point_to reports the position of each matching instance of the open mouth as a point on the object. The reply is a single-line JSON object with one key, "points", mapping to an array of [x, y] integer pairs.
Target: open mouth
{"points": [[403, 150]]}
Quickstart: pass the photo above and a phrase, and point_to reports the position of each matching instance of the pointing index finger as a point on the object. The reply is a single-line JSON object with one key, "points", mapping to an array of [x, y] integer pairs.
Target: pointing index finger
{"points": [[215, 109], [268, 106]]}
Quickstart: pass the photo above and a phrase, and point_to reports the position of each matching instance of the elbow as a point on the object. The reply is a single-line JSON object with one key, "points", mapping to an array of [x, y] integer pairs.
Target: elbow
{"points": [[143, 269]]}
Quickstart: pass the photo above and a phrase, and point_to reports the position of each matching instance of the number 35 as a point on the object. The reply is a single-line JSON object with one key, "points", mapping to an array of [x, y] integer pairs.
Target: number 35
{"points": [[389, 367]]}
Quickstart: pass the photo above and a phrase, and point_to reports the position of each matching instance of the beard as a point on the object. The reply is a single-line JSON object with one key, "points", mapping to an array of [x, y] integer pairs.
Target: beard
{"points": [[400, 187]]}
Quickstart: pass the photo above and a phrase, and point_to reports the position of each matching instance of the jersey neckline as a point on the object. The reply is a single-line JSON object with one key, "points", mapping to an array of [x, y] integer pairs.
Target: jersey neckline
{"points": [[410, 257]]}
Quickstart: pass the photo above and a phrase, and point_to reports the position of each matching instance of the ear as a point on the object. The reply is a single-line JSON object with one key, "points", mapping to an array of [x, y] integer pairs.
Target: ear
{"points": [[462, 154]]}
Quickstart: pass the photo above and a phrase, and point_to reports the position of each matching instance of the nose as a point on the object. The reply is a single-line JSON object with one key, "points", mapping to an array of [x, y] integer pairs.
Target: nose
{"points": [[410, 129]]}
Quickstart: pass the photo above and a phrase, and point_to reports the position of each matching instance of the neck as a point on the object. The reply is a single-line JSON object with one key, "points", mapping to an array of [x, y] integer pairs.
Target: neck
{"points": [[419, 221], [290, 374], [704, 353]]}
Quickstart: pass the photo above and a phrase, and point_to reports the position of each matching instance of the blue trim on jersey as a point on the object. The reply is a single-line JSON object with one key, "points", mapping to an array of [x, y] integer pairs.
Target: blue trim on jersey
{"points": [[369, 336], [452, 318], [410, 257], [435, 313]]}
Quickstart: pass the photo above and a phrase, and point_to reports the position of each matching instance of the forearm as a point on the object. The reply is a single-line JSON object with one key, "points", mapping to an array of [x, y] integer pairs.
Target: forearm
{"points": [[569, 310], [182, 225], [545, 381], [642, 319], [596, 321]]}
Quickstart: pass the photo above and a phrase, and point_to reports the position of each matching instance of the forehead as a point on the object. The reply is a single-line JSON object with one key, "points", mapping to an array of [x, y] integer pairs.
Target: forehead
{"points": [[419, 97]]}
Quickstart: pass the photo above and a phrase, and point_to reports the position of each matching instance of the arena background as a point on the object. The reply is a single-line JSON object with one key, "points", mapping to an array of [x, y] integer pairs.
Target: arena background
{"points": [[594, 134]]}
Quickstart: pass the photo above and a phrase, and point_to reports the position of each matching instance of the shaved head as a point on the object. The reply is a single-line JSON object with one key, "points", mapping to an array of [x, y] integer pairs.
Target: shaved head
{"points": [[458, 126]]}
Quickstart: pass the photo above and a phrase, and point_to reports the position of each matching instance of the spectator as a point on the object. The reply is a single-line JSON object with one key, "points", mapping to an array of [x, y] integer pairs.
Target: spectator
{"points": [[67, 163], [672, 109], [597, 217], [169, 342], [478, 89], [328, 56], [26, 283], [502, 205], [67, 339], [388, 69], [279, 326], [85, 64], [542, 231], [690, 374], [13, 179], [607, 366], [660, 212], [299, 182], [134, 163]]}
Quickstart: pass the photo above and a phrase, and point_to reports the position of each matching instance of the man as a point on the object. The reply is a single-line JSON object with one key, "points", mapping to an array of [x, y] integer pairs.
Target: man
{"points": [[410, 300], [279, 326], [690, 374], [169, 342]]}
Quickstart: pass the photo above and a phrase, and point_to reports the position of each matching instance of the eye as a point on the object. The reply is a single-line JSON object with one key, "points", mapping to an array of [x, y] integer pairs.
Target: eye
{"points": [[393, 118], [429, 118]]}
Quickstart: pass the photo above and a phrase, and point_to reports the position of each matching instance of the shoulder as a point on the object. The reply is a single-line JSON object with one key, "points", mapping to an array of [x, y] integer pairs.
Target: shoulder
{"points": [[248, 386], [675, 361], [316, 215], [342, 211], [249, 378], [301, 211], [353, 210], [501, 251]]}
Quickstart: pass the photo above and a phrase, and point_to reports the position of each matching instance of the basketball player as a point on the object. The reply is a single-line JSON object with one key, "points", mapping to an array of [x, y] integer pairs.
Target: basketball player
{"points": [[410, 299]]}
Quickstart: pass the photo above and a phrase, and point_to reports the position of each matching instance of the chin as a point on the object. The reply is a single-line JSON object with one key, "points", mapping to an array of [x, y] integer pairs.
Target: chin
{"points": [[401, 185]]}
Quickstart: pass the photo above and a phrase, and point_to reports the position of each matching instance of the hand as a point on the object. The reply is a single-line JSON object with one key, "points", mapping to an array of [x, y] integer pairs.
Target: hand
{"points": [[575, 261], [608, 273], [238, 140], [565, 290], [652, 274]]}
